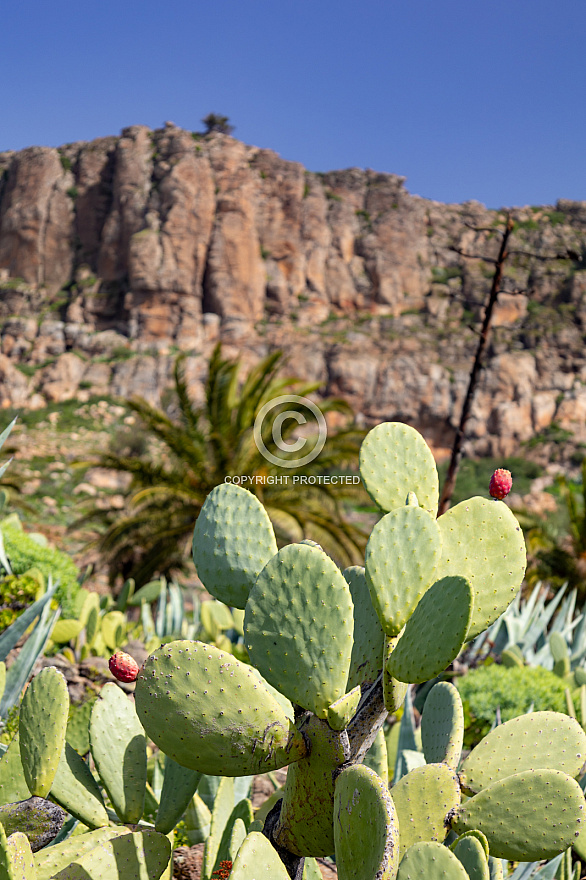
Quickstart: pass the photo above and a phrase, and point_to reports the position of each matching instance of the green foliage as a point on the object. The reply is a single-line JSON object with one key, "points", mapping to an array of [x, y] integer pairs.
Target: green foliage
{"points": [[559, 555], [65, 163], [292, 705], [474, 475], [16, 593], [25, 552], [513, 690], [201, 446], [215, 122]]}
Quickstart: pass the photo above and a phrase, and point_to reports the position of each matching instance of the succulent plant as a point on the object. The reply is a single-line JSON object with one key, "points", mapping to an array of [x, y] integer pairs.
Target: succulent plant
{"points": [[331, 654], [329, 648]]}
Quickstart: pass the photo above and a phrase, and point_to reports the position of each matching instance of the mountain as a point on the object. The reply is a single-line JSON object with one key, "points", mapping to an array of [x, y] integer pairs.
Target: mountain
{"points": [[117, 253]]}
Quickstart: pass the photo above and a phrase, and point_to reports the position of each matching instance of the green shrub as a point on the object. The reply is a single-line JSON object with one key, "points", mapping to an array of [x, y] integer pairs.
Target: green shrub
{"points": [[16, 594], [513, 689], [25, 552]]}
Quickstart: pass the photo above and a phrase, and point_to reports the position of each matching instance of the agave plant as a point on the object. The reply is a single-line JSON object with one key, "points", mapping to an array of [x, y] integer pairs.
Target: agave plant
{"points": [[201, 446]]}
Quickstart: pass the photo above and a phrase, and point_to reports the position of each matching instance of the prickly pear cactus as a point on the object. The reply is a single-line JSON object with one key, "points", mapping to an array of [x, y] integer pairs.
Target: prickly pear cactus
{"points": [[331, 654]]}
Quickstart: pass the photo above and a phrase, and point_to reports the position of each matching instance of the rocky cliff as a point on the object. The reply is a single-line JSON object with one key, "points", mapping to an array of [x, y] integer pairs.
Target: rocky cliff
{"points": [[117, 254]]}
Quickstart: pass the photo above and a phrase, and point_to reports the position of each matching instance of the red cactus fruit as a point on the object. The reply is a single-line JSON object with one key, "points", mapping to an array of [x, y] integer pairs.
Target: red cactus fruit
{"points": [[123, 666], [500, 483]]}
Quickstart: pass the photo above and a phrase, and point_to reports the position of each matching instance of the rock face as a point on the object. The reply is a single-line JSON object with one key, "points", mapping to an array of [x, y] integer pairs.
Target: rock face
{"points": [[118, 253]]}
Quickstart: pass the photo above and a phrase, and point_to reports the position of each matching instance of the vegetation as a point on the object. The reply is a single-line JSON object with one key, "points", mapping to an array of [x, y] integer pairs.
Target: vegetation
{"points": [[559, 555], [510, 690], [199, 447], [215, 122]]}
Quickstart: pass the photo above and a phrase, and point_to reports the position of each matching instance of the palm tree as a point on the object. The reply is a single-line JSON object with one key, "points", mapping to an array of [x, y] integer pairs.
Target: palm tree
{"points": [[202, 445]]}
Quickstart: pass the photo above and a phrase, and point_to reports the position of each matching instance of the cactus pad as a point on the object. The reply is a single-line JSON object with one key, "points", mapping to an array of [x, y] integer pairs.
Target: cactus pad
{"points": [[343, 710], [396, 460], [470, 851], [119, 751], [532, 815], [423, 798], [43, 722], [13, 785], [257, 858], [377, 757], [51, 860], [366, 829], [20, 857], [483, 542], [401, 559], [430, 861], [179, 786], [75, 789], [435, 633], [537, 741], [210, 713], [442, 725], [298, 627], [142, 855], [367, 645], [232, 541]]}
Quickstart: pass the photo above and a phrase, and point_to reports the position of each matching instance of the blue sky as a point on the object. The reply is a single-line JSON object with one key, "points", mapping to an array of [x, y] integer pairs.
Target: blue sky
{"points": [[466, 98]]}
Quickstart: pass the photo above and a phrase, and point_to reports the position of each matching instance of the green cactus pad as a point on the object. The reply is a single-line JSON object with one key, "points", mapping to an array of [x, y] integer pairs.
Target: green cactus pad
{"points": [[17, 861], [66, 630], [78, 727], [495, 866], [53, 859], [113, 629], [311, 870], [393, 691], [179, 786], [366, 829], [119, 750], [42, 726], [242, 813], [396, 460], [435, 633], [483, 542], [430, 861], [478, 835], [75, 789], [442, 725], [298, 625], [232, 541], [13, 785], [142, 855], [197, 821], [210, 712], [367, 645], [237, 838], [537, 741], [257, 860], [401, 558], [377, 758], [343, 710], [306, 819], [470, 851], [423, 798], [532, 815], [2, 678]]}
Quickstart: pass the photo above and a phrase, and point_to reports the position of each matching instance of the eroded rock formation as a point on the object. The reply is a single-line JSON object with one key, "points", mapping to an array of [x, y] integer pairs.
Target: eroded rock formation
{"points": [[116, 254]]}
